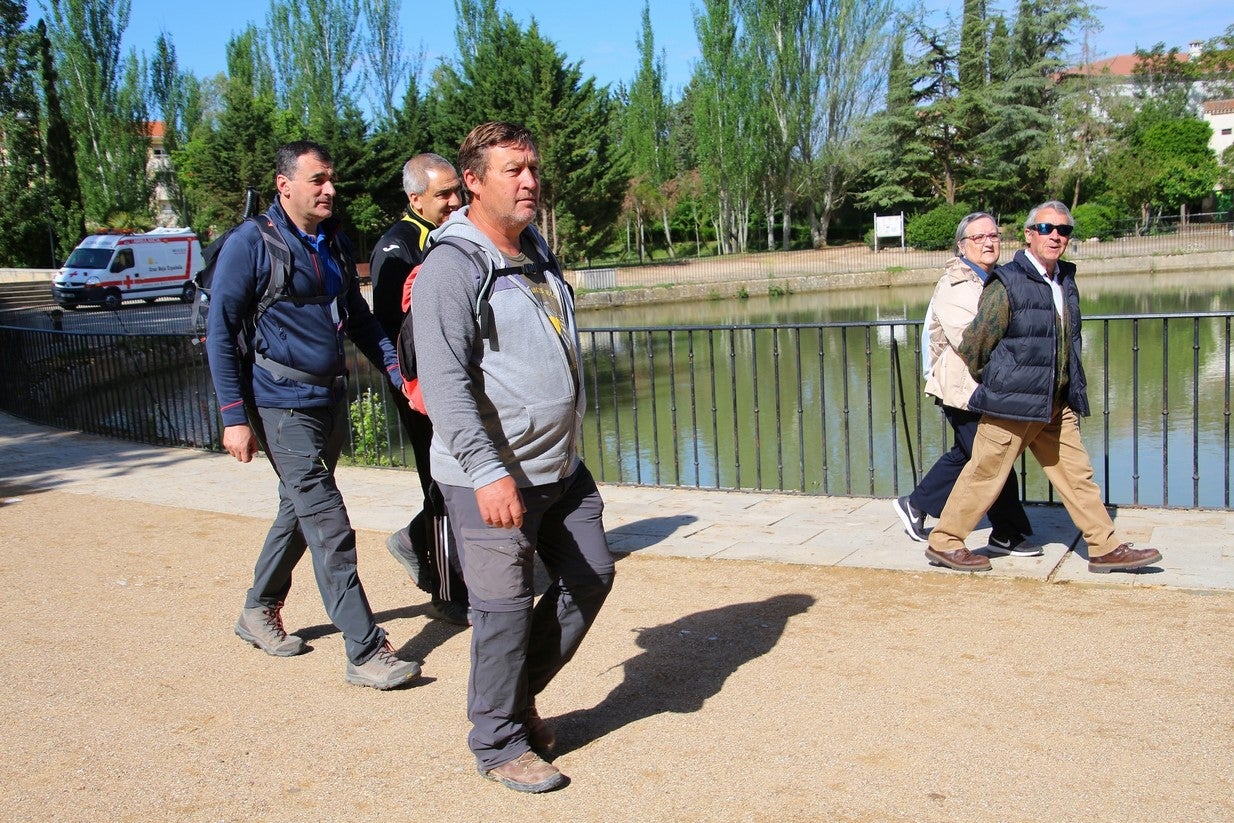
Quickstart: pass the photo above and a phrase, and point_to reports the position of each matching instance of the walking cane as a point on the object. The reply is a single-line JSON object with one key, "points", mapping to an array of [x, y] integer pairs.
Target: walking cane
{"points": [[895, 362]]}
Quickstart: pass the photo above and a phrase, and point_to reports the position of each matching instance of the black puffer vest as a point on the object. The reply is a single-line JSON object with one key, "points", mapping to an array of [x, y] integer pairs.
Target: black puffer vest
{"points": [[1018, 382]]}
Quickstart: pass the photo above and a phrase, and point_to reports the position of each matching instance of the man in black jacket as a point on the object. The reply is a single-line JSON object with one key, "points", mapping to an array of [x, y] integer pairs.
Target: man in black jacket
{"points": [[1023, 349], [433, 193]]}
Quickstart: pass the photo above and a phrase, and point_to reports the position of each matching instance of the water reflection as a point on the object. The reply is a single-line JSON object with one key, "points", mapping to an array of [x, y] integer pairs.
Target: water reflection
{"points": [[1205, 290], [823, 410]]}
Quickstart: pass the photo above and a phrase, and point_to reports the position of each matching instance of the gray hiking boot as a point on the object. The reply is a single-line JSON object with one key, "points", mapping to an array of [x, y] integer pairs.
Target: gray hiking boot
{"points": [[383, 670], [263, 627]]}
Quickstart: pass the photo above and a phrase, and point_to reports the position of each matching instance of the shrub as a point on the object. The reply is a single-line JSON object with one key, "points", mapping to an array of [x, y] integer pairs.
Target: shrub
{"points": [[1094, 220], [935, 230], [370, 442]]}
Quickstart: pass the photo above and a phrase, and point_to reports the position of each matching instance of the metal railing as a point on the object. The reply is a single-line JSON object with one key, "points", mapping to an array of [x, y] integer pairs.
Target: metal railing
{"points": [[823, 408]]}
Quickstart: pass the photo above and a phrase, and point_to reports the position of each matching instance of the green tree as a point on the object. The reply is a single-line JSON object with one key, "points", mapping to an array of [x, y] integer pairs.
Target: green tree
{"points": [[645, 141], [220, 162], [853, 51], [315, 51], [63, 189], [104, 98], [896, 158], [1165, 166], [25, 240], [1016, 153], [386, 64], [723, 92], [582, 173]]}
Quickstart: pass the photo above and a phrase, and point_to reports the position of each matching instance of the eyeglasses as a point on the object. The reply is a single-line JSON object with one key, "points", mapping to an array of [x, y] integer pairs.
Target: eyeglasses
{"points": [[1063, 229], [981, 238]]}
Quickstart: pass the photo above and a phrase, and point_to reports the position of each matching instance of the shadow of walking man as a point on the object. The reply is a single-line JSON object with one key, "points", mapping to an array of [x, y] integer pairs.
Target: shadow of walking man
{"points": [[684, 663]]}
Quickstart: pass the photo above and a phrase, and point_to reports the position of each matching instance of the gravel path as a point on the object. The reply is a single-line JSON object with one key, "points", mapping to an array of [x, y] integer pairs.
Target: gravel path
{"points": [[708, 691]]}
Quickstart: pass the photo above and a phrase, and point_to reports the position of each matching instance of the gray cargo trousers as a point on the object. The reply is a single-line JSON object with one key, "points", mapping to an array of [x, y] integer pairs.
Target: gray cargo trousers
{"points": [[517, 648], [303, 446]]}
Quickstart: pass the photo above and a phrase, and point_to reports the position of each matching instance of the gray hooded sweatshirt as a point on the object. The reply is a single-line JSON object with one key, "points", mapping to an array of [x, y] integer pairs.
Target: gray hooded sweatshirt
{"points": [[508, 404]]}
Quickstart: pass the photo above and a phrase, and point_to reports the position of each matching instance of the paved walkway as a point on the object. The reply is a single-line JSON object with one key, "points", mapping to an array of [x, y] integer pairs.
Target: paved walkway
{"points": [[777, 528]]}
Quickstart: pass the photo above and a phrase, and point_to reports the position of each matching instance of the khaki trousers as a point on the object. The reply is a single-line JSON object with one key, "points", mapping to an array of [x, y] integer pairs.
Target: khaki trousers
{"points": [[1061, 453]]}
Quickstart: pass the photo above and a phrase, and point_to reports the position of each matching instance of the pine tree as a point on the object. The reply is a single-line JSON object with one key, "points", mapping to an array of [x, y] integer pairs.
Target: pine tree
{"points": [[582, 174]]}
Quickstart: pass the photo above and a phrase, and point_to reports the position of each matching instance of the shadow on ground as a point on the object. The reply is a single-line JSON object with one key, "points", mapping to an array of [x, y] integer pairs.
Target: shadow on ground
{"points": [[683, 664]]}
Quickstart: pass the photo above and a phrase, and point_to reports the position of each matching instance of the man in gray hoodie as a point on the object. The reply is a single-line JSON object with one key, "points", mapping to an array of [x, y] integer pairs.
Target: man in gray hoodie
{"points": [[499, 368]]}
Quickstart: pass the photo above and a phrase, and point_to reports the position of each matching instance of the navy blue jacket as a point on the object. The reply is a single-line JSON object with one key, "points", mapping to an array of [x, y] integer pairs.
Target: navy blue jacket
{"points": [[1021, 379], [305, 336]]}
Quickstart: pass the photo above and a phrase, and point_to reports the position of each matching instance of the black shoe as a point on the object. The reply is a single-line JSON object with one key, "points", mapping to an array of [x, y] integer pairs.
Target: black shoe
{"points": [[450, 612], [914, 520], [1014, 545], [412, 558]]}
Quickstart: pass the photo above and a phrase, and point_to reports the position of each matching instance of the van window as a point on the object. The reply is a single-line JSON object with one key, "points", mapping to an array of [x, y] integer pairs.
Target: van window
{"points": [[88, 259], [124, 260]]}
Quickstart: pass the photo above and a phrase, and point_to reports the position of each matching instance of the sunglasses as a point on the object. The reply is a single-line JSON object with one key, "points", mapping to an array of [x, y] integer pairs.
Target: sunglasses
{"points": [[1063, 229]]}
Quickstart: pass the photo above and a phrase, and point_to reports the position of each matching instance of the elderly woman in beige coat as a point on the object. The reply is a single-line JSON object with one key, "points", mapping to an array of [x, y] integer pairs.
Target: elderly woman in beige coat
{"points": [[977, 247]]}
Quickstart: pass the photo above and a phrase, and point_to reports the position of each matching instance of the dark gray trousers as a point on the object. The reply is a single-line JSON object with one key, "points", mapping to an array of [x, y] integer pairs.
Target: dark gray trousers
{"points": [[516, 649], [303, 446]]}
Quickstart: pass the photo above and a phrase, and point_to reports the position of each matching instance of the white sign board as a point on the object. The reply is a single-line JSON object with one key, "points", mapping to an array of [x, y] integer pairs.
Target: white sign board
{"points": [[889, 226]]}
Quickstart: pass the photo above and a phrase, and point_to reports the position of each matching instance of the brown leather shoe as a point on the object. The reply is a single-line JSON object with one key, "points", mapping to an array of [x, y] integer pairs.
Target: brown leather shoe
{"points": [[962, 560], [527, 773], [1123, 558], [539, 734]]}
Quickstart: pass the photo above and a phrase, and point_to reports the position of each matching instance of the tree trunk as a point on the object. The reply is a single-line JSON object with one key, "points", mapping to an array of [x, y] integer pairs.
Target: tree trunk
{"points": [[668, 232]]}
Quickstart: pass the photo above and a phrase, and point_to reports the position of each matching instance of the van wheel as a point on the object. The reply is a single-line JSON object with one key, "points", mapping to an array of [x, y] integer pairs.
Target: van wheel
{"points": [[112, 300], [188, 293]]}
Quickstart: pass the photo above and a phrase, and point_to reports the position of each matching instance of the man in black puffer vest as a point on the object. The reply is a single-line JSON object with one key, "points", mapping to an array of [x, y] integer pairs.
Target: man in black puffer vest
{"points": [[1023, 348]]}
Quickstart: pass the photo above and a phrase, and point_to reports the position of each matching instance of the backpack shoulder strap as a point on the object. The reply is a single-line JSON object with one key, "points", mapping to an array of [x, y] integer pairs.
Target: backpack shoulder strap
{"points": [[279, 285]]}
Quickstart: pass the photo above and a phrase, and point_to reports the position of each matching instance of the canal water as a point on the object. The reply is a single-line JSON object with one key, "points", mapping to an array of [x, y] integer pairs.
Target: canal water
{"points": [[822, 408]]}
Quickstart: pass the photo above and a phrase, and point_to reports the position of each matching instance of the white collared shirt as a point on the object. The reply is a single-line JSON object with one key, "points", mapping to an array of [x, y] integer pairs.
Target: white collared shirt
{"points": [[1052, 278]]}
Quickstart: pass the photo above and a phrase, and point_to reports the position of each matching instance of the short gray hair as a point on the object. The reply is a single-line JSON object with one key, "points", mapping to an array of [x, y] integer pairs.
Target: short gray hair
{"points": [[1056, 205], [963, 227], [415, 171]]}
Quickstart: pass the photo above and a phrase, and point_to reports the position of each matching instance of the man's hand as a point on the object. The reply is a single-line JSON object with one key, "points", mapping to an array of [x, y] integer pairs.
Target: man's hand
{"points": [[500, 504], [240, 442]]}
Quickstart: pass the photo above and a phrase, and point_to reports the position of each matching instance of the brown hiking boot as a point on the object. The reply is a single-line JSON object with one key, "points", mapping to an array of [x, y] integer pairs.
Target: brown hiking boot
{"points": [[526, 773], [539, 734]]}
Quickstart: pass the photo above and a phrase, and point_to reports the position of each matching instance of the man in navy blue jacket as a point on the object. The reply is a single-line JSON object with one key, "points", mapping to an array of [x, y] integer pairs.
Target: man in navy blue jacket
{"points": [[280, 377]]}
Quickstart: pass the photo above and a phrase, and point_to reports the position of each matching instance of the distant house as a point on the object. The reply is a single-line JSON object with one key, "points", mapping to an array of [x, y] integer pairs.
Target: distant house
{"points": [[1220, 115], [1119, 73], [158, 160]]}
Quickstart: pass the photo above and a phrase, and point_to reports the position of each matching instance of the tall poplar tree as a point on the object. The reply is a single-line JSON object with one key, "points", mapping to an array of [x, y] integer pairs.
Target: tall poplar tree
{"points": [[63, 189], [726, 122], [104, 98], [645, 139]]}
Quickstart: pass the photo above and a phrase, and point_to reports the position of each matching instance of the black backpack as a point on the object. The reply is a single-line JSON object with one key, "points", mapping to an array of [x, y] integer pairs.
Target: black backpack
{"points": [[278, 287]]}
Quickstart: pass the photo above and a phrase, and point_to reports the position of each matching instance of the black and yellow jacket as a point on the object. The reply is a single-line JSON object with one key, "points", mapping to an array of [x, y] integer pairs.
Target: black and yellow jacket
{"points": [[398, 251]]}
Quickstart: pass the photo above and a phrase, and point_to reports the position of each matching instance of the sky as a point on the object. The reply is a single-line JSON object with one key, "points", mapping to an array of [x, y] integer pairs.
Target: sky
{"points": [[603, 36]]}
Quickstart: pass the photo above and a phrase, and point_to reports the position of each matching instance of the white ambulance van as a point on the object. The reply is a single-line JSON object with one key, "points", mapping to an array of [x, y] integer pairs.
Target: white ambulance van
{"points": [[107, 269]]}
